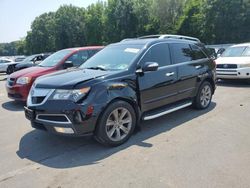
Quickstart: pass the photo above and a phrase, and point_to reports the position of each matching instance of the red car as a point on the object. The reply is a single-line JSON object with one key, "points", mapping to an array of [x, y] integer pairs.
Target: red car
{"points": [[19, 83]]}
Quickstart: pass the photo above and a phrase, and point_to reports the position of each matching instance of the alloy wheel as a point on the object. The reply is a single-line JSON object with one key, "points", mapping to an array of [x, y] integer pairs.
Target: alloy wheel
{"points": [[118, 124], [205, 97]]}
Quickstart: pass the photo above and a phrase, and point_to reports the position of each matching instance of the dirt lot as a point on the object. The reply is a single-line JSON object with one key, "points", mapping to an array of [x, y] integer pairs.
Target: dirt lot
{"points": [[188, 148]]}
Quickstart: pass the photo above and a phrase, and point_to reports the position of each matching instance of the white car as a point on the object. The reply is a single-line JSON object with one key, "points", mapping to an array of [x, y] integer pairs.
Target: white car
{"points": [[4, 63], [234, 63]]}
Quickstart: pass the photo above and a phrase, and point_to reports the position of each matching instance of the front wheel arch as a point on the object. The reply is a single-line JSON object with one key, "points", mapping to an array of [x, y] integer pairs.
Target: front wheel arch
{"points": [[131, 102]]}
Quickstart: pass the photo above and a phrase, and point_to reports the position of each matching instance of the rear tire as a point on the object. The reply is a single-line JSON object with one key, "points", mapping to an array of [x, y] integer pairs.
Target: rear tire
{"points": [[204, 96], [116, 124]]}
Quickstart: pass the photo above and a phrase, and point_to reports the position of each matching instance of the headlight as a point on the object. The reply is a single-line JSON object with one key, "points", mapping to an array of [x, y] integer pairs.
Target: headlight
{"points": [[74, 95], [244, 65], [23, 80]]}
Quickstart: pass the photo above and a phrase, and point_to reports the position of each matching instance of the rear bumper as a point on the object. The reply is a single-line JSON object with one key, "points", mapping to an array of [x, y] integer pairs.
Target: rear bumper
{"points": [[239, 73], [18, 92]]}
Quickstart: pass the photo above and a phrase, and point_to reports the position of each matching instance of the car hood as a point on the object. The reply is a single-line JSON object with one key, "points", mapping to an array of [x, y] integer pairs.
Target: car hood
{"points": [[68, 79], [233, 60], [32, 72]]}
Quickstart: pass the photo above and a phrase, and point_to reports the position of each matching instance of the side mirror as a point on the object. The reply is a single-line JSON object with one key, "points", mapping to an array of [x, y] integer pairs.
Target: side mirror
{"points": [[150, 66], [67, 64]]}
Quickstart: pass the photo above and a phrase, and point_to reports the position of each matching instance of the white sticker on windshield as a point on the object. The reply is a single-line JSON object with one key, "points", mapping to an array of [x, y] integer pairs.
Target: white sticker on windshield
{"points": [[132, 50]]}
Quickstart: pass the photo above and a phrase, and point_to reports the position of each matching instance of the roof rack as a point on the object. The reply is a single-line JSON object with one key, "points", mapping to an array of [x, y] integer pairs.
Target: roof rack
{"points": [[164, 36]]}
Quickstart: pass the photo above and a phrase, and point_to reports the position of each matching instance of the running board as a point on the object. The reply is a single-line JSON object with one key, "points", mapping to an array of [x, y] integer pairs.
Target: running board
{"points": [[149, 117]]}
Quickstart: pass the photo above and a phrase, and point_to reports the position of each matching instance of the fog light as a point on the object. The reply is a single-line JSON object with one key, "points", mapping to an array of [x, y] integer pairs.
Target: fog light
{"points": [[64, 130]]}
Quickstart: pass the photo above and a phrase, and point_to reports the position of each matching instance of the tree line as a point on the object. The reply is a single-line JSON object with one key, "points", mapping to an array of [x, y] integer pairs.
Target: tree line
{"points": [[104, 22]]}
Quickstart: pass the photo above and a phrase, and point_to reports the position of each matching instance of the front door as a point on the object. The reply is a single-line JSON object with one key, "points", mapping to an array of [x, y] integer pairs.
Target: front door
{"points": [[157, 88]]}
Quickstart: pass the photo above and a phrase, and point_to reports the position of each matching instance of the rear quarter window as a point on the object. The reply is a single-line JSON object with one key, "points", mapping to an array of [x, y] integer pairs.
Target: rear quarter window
{"points": [[197, 53]]}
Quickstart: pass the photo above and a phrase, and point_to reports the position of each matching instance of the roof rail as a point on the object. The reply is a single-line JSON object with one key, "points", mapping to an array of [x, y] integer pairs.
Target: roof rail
{"points": [[164, 36], [128, 39]]}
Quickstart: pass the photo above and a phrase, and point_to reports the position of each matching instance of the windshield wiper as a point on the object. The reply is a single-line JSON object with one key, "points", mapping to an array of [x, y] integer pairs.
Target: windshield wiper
{"points": [[96, 68]]}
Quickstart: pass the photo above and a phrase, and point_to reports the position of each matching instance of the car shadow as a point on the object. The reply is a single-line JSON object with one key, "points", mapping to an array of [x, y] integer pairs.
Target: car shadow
{"points": [[233, 83], [13, 106], [65, 152]]}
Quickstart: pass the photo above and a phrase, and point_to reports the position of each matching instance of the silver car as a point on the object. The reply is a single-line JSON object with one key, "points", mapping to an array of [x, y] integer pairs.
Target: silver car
{"points": [[4, 63]]}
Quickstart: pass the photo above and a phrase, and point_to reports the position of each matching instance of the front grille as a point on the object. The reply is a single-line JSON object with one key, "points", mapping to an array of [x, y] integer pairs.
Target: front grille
{"points": [[53, 118], [57, 118], [38, 96], [11, 81], [227, 66]]}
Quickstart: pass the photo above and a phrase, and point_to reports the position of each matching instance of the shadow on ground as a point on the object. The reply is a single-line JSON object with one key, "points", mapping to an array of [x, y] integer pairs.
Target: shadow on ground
{"points": [[13, 106], [64, 152], [234, 83]]}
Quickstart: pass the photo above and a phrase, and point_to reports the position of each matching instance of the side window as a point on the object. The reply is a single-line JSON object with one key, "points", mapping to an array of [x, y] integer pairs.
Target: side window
{"points": [[181, 52], [197, 53], [78, 58], [159, 54]]}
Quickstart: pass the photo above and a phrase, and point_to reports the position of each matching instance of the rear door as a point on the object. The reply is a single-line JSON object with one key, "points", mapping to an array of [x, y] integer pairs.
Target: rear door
{"points": [[157, 88], [189, 60]]}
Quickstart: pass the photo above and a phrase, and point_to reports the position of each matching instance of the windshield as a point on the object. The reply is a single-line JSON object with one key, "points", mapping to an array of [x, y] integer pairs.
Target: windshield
{"points": [[114, 57], [28, 59], [237, 52], [55, 58]]}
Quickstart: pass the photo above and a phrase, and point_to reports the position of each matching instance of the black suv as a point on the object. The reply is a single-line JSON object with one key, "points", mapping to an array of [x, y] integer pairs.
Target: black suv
{"points": [[133, 80]]}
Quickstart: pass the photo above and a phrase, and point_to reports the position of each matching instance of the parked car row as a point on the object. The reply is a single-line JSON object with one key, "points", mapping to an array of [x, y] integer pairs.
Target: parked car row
{"points": [[29, 61], [79, 92]]}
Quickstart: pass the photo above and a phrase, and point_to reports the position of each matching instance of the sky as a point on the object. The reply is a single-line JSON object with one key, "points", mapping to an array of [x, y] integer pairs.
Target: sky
{"points": [[16, 16]]}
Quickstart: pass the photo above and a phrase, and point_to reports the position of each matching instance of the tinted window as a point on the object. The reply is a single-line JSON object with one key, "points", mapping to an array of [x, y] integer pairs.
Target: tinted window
{"points": [[79, 58], [197, 53], [159, 54], [181, 53]]}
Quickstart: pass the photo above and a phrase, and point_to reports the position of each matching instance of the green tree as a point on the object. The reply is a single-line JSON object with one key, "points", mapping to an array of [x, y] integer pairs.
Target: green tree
{"points": [[94, 23], [119, 20], [69, 27], [191, 22], [41, 37]]}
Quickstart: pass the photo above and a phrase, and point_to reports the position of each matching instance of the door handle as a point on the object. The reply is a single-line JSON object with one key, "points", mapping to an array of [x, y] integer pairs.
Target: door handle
{"points": [[170, 74], [198, 66]]}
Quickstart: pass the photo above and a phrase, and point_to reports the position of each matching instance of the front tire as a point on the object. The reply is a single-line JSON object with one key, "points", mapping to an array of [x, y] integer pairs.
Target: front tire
{"points": [[204, 96], [10, 69], [116, 124]]}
